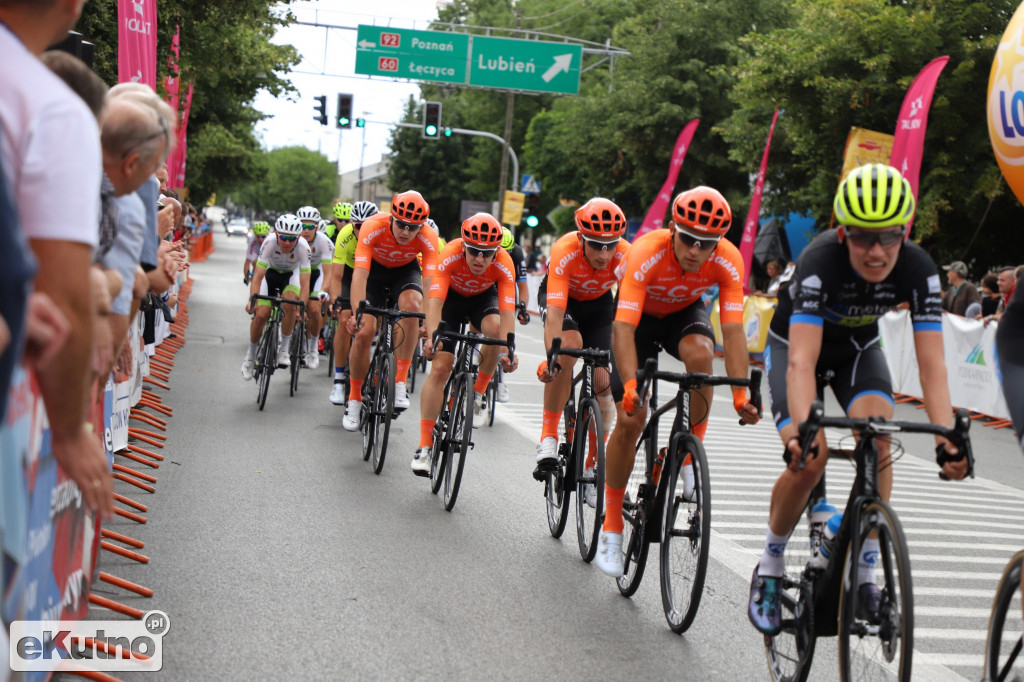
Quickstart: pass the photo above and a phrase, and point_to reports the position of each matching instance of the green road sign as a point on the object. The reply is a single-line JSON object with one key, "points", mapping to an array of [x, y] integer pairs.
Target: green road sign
{"points": [[405, 53], [525, 65]]}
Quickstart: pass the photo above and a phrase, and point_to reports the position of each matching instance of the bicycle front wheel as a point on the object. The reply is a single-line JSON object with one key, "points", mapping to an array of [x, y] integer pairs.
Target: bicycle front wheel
{"points": [[267, 361], [439, 461], [460, 434], [332, 329], [295, 355], [413, 367], [588, 448], [492, 396], [635, 540], [1003, 647], [383, 409], [790, 652], [685, 533], [556, 496], [877, 646]]}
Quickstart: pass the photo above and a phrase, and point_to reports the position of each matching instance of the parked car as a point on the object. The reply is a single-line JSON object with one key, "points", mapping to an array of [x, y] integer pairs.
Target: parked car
{"points": [[237, 226]]}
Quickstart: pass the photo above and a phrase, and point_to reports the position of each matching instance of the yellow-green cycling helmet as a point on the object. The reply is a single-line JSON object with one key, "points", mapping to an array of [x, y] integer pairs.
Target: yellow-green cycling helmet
{"points": [[261, 229], [343, 210], [874, 196], [507, 240]]}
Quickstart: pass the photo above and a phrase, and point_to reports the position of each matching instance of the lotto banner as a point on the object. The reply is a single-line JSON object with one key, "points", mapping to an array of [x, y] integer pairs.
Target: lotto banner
{"points": [[136, 42], [865, 146], [1005, 104], [757, 316], [656, 214]]}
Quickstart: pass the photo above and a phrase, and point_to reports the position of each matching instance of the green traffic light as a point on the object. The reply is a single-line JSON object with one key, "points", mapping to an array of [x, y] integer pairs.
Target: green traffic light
{"points": [[447, 132], [343, 121], [532, 221], [431, 130], [360, 123]]}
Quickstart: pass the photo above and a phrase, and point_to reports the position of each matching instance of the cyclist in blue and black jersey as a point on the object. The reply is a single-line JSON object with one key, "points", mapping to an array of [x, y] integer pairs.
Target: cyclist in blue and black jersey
{"points": [[827, 320]]}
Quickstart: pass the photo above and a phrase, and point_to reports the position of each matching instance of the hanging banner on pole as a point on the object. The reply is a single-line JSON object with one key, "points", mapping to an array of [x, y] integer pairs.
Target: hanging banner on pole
{"points": [[656, 213], [908, 143], [750, 227], [136, 42], [865, 146]]}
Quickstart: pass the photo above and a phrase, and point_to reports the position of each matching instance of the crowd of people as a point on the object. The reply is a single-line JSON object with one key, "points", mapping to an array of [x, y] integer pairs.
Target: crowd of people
{"points": [[89, 232], [962, 297]]}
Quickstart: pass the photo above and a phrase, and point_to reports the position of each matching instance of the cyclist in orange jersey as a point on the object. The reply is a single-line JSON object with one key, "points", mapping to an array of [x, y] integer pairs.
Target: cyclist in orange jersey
{"points": [[584, 267], [386, 260], [476, 280], [660, 302]]}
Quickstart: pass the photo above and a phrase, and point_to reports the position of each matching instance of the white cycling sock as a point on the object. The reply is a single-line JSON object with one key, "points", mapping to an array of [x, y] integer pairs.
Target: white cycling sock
{"points": [[251, 353], [773, 561], [868, 561], [286, 342]]}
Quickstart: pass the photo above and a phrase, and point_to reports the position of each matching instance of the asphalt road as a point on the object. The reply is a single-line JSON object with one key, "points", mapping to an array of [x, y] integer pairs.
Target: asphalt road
{"points": [[276, 552]]}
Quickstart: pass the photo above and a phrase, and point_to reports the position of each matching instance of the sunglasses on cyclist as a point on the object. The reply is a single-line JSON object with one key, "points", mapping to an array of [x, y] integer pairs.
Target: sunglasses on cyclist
{"points": [[867, 239], [475, 252], [602, 246], [287, 238], [691, 240], [408, 227]]}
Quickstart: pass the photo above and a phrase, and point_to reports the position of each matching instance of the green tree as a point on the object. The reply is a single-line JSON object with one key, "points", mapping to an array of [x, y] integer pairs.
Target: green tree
{"points": [[290, 177], [227, 53], [847, 64]]}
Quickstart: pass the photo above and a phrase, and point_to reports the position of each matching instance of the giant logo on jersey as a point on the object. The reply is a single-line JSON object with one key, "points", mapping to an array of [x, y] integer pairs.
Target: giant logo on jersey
{"points": [[1005, 104]]}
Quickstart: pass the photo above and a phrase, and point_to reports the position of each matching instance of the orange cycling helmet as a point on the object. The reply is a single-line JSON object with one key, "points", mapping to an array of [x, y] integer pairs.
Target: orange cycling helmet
{"points": [[703, 209], [482, 231], [410, 207], [600, 219]]}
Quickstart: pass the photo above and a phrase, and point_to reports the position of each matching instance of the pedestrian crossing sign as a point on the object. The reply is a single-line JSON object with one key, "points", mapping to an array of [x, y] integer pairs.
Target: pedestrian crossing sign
{"points": [[531, 185]]}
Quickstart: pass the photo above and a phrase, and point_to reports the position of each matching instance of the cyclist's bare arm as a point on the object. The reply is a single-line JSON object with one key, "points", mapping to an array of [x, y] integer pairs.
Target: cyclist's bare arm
{"points": [[357, 290], [433, 313], [254, 284], [334, 284], [508, 326], [801, 382], [303, 286], [737, 360], [624, 349], [931, 362], [553, 324]]}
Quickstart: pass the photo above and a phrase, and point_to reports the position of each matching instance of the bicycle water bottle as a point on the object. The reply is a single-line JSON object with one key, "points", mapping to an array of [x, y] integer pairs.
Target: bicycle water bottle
{"points": [[659, 462], [821, 558], [821, 512]]}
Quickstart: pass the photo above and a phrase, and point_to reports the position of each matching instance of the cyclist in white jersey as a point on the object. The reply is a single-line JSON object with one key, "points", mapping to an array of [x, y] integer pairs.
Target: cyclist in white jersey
{"points": [[321, 251], [260, 230], [281, 270]]}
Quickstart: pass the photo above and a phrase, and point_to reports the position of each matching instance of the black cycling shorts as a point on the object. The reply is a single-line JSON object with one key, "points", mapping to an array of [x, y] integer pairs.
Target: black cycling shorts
{"points": [[667, 331], [859, 370], [592, 319], [458, 308], [346, 289], [396, 280], [313, 276], [276, 281]]}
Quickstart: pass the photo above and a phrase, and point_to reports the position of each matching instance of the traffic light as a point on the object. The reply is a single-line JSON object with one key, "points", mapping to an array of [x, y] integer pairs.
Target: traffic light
{"points": [[360, 123], [447, 132], [531, 210], [344, 111], [431, 120], [321, 108]]}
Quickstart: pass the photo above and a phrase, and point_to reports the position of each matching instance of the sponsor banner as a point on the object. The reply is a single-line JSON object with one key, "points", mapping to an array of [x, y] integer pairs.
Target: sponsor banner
{"points": [[750, 227], [656, 213], [512, 209], [136, 42], [865, 146], [757, 316], [1005, 104]]}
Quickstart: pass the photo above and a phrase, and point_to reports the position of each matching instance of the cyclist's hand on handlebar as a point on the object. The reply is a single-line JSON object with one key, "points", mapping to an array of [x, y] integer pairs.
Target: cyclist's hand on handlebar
{"points": [[630, 399], [543, 372], [249, 306], [744, 408], [521, 314], [428, 348], [351, 325], [509, 364], [951, 470]]}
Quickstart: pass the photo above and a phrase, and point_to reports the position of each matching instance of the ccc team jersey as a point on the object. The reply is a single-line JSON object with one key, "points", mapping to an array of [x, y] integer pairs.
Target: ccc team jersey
{"points": [[570, 276], [827, 292], [454, 273], [655, 284], [378, 245], [273, 258]]}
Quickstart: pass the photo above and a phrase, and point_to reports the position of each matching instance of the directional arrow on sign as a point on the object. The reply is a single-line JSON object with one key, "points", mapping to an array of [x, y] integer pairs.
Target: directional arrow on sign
{"points": [[366, 44], [562, 64]]}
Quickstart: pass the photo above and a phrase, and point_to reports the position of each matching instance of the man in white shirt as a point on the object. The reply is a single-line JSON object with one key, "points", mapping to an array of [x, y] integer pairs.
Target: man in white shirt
{"points": [[50, 150]]}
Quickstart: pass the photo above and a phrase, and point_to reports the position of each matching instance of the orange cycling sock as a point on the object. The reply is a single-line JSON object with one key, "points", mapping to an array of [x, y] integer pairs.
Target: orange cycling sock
{"points": [[481, 382], [426, 433], [355, 389], [613, 509], [402, 370], [549, 428], [700, 429]]}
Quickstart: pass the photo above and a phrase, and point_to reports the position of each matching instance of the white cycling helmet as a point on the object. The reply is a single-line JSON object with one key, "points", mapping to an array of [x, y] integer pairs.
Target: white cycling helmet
{"points": [[288, 224], [362, 210], [308, 213], [323, 225], [432, 224]]}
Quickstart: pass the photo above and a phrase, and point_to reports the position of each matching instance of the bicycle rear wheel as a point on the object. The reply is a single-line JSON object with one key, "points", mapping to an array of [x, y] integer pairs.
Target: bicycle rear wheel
{"points": [[383, 409], [1003, 647], [589, 460], [460, 434], [635, 540], [880, 647], [266, 357], [685, 534]]}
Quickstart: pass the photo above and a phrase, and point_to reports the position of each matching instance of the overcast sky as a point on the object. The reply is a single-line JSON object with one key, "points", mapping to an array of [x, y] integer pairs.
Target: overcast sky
{"points": [[333, 51]]}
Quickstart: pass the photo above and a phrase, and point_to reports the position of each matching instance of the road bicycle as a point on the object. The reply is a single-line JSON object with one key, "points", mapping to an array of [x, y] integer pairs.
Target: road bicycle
{"points": [[296, 354], [379, 385], [823, 602], [453, 430], [580, 462], [330, 313], [668, 496], [418, 366], [1004, 643], [266, 351]]}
